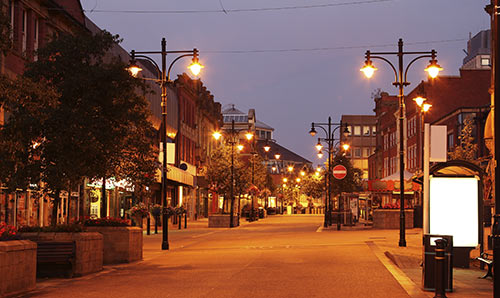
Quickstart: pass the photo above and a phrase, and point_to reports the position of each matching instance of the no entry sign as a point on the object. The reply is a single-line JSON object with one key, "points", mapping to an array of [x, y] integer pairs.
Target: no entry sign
{"points": [[339, 172]]}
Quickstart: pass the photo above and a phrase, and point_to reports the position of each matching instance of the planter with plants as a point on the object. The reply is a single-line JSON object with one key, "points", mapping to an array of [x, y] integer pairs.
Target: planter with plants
{"points": [[138, 213], [18, 262], [122, 243], [88, 254]]}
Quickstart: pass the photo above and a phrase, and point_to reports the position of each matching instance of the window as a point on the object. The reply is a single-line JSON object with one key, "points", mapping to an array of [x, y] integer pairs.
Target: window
{"points": [[366, 152], [366, 130], [386, 166], [451, 141], [349, 128], [357, 130], [357, 152], [36, 29], [24, 30], [485, 61], [374, 130], [11, 15]]}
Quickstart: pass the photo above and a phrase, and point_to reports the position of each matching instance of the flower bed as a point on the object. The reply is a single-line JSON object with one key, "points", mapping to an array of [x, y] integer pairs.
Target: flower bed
{"points": [[389, 218]]}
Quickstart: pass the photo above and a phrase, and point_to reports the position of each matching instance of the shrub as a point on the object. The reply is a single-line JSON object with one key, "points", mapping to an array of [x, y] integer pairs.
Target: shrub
{"points": [[63, 228], [139, 210], [156, 210], [8, 232], [106, 222]]}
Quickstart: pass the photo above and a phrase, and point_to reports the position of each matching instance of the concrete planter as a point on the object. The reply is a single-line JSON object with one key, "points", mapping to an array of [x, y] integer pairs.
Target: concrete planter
{"points": [[17, 267], [221, 220], [88, 246], [121, 244], [389, 218]]}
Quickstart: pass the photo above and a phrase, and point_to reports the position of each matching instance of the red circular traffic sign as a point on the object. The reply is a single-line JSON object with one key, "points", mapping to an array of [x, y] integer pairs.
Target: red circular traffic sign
{"points": [[339, 172]]}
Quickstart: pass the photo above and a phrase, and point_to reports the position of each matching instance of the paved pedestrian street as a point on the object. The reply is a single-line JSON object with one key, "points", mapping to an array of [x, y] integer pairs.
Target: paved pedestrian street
{"points": [[280, 256]]}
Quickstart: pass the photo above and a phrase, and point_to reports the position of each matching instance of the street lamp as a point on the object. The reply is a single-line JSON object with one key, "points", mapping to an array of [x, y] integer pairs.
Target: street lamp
{"points": [[233, 138], [423, 108], [329, 129], [400, 81], [163, 79]]}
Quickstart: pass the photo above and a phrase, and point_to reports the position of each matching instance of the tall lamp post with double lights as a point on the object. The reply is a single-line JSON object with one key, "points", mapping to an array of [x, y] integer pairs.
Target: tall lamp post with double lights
{"points": [[232, 140], [163, 79], [329, 129], [277, 157], [401, 82]]}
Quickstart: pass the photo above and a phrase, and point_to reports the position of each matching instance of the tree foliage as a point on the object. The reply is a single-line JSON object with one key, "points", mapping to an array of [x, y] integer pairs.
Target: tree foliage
{"points": [[85, 114], [314, 186], [352, 182], [465, 149], [218, 172]]}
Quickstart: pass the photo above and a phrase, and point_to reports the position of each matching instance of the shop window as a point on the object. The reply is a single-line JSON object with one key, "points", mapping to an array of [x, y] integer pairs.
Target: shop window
{"points": [[374, 130]]}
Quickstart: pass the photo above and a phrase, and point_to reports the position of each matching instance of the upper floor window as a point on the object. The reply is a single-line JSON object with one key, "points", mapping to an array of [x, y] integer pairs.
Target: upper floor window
{"points": [[36, 32], [357, 130], [11, 15], [374, 130], [357, 152], [366, 130], [485, 61], [24, 30]]}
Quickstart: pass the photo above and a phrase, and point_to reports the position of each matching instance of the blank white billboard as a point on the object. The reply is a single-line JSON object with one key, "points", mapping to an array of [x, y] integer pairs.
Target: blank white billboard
{"points": [[453, 209]]}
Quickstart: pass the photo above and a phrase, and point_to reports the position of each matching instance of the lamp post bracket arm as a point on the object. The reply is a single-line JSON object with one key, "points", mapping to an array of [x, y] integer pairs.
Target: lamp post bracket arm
{"points": [[413, 61], [173, 62]]}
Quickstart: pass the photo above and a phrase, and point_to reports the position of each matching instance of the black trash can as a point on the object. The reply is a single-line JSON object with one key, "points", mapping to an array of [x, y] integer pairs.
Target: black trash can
{"points": [[428, 269]]}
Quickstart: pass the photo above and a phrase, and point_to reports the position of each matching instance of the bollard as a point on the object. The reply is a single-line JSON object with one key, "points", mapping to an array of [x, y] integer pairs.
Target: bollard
{"points": [[157, 218], [185, 220], [440, 268], [180, 221], [148, 223]]}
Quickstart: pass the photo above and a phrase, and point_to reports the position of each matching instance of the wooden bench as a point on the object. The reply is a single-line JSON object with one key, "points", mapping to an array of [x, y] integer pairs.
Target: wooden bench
{"points": [[56, 253], [484, 258]]}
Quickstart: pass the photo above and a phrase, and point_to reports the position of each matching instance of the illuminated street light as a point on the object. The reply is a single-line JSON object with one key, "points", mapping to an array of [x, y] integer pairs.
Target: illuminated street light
{"points": [[329, 129], [163, 79], [249, 136], [217, 135], [368, 69], [345, 146], [400, 74], [285, 180], [302, 173]]}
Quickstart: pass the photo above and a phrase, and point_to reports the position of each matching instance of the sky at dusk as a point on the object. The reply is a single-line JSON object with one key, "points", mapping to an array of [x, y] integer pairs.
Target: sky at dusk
{"points": [[295, 61]]}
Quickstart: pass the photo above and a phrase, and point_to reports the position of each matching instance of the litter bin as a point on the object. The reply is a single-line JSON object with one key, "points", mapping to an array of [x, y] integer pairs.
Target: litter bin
{"points": [[428, 269]]}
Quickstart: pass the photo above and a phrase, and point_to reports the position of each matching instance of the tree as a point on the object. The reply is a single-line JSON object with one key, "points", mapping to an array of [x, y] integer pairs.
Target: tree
{"points": [[313, 185], [352, 182], [218, 172], [97, 127], [465, 149]]}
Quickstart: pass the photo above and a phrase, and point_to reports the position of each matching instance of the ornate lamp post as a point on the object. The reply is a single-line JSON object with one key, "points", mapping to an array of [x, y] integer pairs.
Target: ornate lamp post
{"points": [[329, 129], [163, 79], [400, 82], [233, 140]]}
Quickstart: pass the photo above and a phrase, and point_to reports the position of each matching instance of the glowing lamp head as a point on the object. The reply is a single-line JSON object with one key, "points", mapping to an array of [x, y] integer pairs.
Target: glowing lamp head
{"points": [[195, 68], [319, 146], [419, 100], [285, 180], [318, 169], [368, 69], [267, 148], [302, 173], [317, 174], [277, 156], [426, 107], [240, 147], [345, 147], [249, 136], [298, 180], [217, 135], [134, 69], [273, 168], [320, 155], [433, 69], [290, 168]]}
